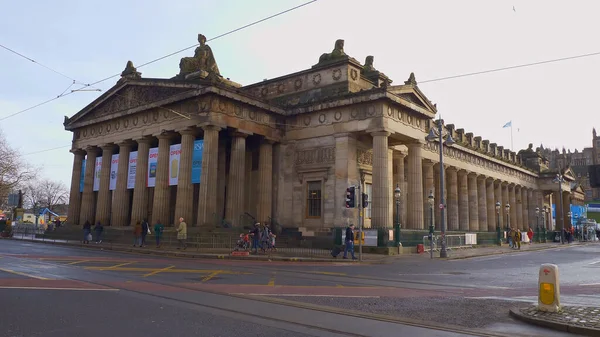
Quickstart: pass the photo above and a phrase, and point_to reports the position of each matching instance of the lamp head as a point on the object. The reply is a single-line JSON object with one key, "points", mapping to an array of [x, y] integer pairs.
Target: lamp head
{"points": [[498, 206], [430, 198], [431, 136], [449, 140], [507, 207], [397, 192], [537, 210]]}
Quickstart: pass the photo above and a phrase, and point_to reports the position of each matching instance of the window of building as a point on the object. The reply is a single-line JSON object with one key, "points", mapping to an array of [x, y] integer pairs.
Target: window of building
{"points": [[313, 199], [369, 192]]}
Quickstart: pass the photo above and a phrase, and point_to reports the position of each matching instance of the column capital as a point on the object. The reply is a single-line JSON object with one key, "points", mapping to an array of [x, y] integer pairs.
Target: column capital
{"points": [[268, 141], [415, 143], [77, 151], [166, 135], [428, 163], [238, 134], [107, 147], [187, 131], [463, 172], [383, 133], [452, 168], [399, 154], [125, 143], [481, 177], [92, 149], [211, 127], [471, 174], [344, 134], [143, 140]]}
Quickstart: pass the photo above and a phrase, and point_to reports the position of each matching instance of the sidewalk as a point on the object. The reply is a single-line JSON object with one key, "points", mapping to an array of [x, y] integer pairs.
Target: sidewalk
{"points": [[577, 320], [466, 253]]}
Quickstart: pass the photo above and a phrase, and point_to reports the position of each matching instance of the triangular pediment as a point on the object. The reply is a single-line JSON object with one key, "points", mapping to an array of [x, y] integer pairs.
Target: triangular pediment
{"points": [[414, 95], [129, 97], [568, 173]]}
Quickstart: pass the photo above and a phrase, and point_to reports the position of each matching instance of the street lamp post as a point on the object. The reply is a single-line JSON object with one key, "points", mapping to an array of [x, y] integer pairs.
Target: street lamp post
{"points": [[431, 201], [537, 219], [507, 208], [432, 136], [570, 224], [498, 229], [560, 179], [397, 196], [544, 230]]}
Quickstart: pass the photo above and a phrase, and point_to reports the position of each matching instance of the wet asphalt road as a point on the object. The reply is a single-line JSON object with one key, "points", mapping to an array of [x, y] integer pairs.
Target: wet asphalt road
{"points": [[158, 294]]}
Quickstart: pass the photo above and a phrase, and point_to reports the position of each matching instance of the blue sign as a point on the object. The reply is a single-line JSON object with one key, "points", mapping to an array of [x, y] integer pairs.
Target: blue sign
{"points": [[197, 161], [82, 176]]}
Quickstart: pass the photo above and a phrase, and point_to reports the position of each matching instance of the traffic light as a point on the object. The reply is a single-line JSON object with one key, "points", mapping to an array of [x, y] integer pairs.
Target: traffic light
{"points": [[350, 196], [365, 200]]}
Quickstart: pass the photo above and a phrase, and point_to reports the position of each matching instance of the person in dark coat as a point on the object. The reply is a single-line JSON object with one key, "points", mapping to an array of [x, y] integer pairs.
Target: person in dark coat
{"points": [[87, 230], [99, 229], [145, 227], [349, 241]]}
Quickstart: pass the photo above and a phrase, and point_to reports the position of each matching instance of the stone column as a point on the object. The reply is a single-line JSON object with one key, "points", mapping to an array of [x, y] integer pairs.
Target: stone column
{"points": [[380, 209], [525, 204], [473, 203], [236, 183], [346, 175], [222, 180], [185, 190], [265, 181], [505, 200], [463, 201], [499, 197], [415, 186], [566, 209], [87, 197], [482, 203], [438, 198], [513, 206], [120, 200], [453, 218], [207, 196], [518, 221], [428, 187], [491, 204], [531, 202], [103, 201], [139, 207], [398, 162], [162, 193], [75, 194]]}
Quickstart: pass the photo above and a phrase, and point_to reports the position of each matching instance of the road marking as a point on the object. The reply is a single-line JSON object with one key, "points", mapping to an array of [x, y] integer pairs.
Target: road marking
{"points": [[302, 295], [329, 273], [158, 271], [211, 275], [78, 262], [589, 284], [184, 271], [339, 286], [23, 274], [54, 288], [595, 262], [501, 299], [272, 281], [119, 265]]}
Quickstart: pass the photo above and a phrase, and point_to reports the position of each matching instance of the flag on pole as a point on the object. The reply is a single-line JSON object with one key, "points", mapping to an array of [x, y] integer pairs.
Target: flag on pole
{"points": [[507, 125]]}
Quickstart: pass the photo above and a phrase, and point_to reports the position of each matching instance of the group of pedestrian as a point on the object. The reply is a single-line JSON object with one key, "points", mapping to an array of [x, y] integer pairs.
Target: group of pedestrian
{"points": [[87, 232], [263, 238]]}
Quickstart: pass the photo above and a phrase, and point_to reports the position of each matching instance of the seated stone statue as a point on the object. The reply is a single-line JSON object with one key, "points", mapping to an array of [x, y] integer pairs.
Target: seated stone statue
{"points": [[369, 65], [337, 53], [203, 60]]}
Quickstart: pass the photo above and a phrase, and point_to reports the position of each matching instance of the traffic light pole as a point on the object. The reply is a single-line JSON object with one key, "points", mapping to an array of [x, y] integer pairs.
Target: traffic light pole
{"points": [[360, 222]]}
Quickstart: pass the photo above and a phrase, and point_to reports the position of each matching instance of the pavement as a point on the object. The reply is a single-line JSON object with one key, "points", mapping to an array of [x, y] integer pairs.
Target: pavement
{"points": [[578, 320], [410, 295]]}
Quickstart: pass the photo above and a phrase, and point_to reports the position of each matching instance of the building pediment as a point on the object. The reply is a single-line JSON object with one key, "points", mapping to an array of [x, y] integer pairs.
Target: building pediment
{"points": [[414, 95], [131, 96]]}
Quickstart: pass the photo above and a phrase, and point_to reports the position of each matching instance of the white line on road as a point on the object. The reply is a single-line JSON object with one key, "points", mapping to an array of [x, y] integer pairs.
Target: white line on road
{"points": [[304, 295], [589, 284], [23, 274], [54, 288], [595, 262]]}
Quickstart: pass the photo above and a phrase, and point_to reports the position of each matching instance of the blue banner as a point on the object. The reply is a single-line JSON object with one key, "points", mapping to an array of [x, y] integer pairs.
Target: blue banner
{"points": [[82, 176], [197, 161]]}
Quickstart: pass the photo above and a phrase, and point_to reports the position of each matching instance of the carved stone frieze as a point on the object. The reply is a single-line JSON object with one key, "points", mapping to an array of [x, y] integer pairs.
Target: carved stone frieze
{"points": [[320, 155], [364, 156]]}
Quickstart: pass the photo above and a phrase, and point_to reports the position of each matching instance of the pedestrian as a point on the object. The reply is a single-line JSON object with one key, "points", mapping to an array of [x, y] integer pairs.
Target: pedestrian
{"points": [[349, 242], [99, 229], [87, 232], [145, 231], [517, 239], [182, 234], [158, 231], [255, 232], [137, 234], [266, 237], [530, 235]]}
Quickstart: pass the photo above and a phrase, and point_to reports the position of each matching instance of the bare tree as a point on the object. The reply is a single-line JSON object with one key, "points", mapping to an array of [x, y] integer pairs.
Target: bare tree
{"points": [[45, 193], [13, 170]]}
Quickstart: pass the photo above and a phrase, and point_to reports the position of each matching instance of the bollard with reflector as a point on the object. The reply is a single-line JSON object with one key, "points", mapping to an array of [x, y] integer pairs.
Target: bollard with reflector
{"points": [[549, 288]]}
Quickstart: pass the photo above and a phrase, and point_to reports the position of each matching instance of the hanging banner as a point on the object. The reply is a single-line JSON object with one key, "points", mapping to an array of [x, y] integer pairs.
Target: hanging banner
{"points": [[81, 180], [131, 169], [197, 161], [114, 167], [97, 174], [152, 164], [174, 160]]}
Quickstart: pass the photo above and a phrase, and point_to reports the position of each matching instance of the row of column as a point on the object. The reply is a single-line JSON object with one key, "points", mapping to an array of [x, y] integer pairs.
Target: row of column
{"points": [[86, 206]]}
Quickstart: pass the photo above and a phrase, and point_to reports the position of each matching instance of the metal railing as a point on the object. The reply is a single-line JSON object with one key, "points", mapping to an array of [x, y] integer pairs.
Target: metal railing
{"points": [[454, 241]]}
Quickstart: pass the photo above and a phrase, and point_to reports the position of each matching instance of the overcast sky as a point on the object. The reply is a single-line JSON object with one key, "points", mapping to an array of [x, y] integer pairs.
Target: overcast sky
{"points": [[551, 103]]}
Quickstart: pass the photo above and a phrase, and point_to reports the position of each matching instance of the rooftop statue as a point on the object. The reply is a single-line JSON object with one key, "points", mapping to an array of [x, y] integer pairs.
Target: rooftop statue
{"points": [[203, 60], [411, 79], [337, 53], [369, 64], [130, 71]]}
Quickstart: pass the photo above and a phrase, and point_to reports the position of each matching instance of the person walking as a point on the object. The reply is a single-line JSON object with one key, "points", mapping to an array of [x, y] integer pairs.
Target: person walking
{"points": [[182, 234], [256, 233], [517, 238], [349, 242], [87, 232], [99, 229], [145, 231], [530, 235], [158, 231], [137, 234]]}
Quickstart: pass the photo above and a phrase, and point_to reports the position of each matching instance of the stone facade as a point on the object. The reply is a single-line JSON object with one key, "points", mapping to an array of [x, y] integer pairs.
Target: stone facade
{"points": [[285, 150]]}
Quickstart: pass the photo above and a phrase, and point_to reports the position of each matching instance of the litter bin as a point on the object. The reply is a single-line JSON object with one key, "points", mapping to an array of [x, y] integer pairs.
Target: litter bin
{"points": [[420, 248]]}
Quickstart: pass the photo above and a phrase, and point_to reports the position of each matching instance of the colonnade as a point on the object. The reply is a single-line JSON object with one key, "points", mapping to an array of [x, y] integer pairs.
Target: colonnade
{"points": [[114, 207]]}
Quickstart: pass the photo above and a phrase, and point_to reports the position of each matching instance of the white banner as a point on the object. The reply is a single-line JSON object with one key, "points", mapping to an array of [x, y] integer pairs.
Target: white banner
{"points": [[114, 167], [152, 164], [174, 159], [131, 169], [97, 173]]}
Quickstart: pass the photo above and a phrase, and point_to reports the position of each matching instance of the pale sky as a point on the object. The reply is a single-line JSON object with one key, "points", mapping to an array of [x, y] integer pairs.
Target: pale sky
{"points": [[552, 103]]}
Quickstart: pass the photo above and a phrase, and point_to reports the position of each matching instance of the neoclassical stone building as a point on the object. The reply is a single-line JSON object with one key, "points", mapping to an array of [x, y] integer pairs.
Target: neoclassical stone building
{"points": [[286, 149]]}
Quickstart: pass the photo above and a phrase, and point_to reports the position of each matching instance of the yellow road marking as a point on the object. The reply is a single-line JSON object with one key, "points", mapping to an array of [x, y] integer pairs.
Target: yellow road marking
{"points": [[272, 281], [328, 273], [54, 288], [23, 274], [158, 271], [77, 262], [119, 265], [210, 276], [339, 286], [184, 271]]}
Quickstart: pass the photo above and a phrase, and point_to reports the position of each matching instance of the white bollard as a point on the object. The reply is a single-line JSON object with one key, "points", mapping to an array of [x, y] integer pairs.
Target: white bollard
{"points": [[549, 288]]}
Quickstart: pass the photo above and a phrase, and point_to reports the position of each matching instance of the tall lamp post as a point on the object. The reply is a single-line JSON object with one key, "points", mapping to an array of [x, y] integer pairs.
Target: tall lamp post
{"points": [[498, 229], [397, 196], [570, 224], [439, 136], [431, 201], [544, 230], [507, 209], [537, 219], [560, 179]]}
